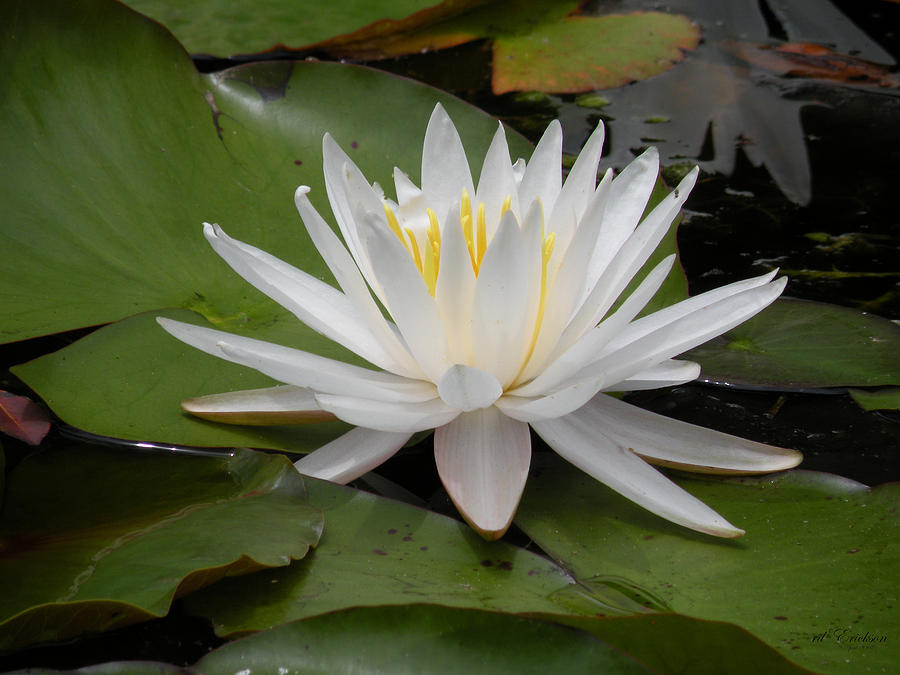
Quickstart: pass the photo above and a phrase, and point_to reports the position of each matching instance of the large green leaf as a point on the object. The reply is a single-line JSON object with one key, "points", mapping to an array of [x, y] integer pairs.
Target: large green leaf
{"points": [[798, 343], [420, 639], [376, 551], [94, 538], [814, 576], [228, 27]]}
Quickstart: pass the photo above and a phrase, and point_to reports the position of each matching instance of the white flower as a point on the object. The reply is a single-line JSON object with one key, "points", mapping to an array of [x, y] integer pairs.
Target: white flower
{"points": [[502, 298]]}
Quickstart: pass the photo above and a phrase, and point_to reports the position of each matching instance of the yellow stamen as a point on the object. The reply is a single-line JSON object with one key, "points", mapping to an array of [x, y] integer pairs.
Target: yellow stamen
{"points": [[393, 224], [506, 204], [432, 252], [414, 249], [482, 239]]}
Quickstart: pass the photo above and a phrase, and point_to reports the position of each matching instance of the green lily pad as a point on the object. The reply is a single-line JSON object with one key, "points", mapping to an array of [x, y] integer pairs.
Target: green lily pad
{"points": [[376, 551], [813, 577], [95, 538], [420, 639], [802, 344], [230, 27], [881, 399]]}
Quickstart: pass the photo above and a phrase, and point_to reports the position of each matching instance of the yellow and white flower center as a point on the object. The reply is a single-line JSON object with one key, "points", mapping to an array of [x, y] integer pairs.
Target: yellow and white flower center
{"points": [[427, 255]]}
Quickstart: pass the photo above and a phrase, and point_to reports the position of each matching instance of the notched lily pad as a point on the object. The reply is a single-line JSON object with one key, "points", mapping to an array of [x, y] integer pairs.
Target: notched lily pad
{"points": [[96, 538], [820, 556]]}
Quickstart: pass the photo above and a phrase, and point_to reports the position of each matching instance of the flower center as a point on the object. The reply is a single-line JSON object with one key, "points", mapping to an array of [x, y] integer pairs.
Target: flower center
{"points": [[474, 229], [425, 250]]}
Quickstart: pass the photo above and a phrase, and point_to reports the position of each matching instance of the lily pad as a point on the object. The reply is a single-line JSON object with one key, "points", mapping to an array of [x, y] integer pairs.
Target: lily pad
{"points": [[820, 556], [880, 399], [376, 551], [803, 344], [420, 639], [230, 27], [95, 538]]}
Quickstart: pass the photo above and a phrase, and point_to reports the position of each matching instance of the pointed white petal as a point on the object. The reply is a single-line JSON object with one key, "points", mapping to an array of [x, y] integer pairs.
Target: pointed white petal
{"points": [[626, 356], [571, 362], [628, 261], [501, 304], [407, 299], [350, 456], [496, 183], [395, 357], [300, 368], [483, 458], [566, 273], [466, 388], [670, 442], [445, 169], [628, 196], [339, 170], [577, 190], [455, 291], [285, 404], [667, 315], [320, 306], [543, 173], [583, 445], [669, 373], [388, 415]]}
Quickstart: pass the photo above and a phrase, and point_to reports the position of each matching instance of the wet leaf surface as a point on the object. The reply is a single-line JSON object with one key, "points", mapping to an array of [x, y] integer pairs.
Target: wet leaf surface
{"points": [[819, 556], [95, 538]]}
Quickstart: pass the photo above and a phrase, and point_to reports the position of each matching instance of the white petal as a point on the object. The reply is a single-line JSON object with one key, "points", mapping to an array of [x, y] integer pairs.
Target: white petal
{"points": [[627, 356], [543, 173], [628, 196], [557, 404], [445, 169], [339, 171], [320, 306], [667, 315], [388, 415], [583, 445], [669, 373], [300, 368], [573, 360], [396, 356], [577, 190], [466, 388], [284, 404], [628, 261], [407, 299], [681, 445], [566, 273], [455, 291], [496, 183], [350, 456], [483, 458], [501, 305]]}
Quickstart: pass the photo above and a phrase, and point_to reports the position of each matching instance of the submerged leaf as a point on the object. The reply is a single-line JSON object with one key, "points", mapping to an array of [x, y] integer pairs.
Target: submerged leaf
{"points": [[22, 418]]}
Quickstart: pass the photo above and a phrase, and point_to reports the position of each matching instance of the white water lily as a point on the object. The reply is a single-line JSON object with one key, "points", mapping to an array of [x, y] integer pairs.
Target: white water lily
{"points": [[501, 301]]}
